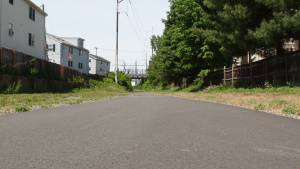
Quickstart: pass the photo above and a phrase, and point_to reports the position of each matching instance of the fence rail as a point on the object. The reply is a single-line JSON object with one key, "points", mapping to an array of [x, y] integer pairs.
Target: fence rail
{"points": [[275, 70], [135, 71]]}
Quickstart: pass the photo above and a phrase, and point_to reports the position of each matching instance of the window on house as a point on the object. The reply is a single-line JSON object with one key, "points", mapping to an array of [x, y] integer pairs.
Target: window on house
{"points": [[80, 65], [80, 43], [71, 50], [31, 40], [10, 29], [80, 52], [11, 2], [100, 69], [32, 13], [51, 47], [101, 62], [107, 63], [70, 63]]}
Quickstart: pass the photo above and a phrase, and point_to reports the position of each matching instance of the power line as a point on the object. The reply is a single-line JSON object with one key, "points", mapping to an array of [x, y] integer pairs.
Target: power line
{"points": [[135, 18], [135, 12], [134, 29], [112, 50]]}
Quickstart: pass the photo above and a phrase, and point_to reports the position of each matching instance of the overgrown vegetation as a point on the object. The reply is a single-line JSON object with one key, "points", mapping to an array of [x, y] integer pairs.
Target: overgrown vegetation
{"points": [[123, 80], [94, 90], [13, 89]]}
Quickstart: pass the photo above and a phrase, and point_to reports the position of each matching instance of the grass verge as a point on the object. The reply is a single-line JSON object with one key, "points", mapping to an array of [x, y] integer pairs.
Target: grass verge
{"points": [[12, 103], [278, 100]]}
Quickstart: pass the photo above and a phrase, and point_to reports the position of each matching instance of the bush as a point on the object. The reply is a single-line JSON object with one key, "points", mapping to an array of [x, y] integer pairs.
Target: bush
{"points": [[77, 82], [123, 80], [196, 86]]}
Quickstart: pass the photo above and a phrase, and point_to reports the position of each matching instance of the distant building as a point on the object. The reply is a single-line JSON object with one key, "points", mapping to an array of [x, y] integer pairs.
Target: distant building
{"points": [[22, 27], [99, 65], [61, 50], [290, 45]]}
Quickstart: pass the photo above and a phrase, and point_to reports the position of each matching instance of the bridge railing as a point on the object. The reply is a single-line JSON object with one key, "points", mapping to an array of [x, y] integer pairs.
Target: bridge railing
{"points": [[134, 71]]}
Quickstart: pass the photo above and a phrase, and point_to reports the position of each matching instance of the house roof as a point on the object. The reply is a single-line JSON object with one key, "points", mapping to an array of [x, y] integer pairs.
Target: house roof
{"points": [[63, 41], [73, 38], [99, 58], [36, 7]]}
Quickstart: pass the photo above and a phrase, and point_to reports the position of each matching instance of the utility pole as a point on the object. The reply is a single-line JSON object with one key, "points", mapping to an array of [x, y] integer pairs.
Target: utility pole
{"points": [[146, 61], [151, 45], [117, 43], [96, 50]]}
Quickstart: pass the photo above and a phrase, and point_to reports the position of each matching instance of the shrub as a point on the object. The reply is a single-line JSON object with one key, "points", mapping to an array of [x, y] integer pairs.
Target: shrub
{"points": [[123, 80], [196, 86], [77, 82]]}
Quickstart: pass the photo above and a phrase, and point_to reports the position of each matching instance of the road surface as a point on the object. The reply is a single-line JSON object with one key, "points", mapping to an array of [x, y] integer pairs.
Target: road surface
{"points": [[148, 131]]}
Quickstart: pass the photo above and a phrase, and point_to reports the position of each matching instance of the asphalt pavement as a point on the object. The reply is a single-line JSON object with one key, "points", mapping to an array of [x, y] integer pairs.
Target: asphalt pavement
{"points": [[149, 131]]}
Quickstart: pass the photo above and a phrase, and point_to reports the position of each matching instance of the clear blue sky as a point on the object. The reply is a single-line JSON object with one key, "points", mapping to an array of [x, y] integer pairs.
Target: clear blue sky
{"points": [[95, 21]]}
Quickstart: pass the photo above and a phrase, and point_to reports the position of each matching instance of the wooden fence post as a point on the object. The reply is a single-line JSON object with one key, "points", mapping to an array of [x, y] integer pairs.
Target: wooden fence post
{"points": [[251, 69], [232, 74], [13, 59], [224, 75], [241, 73], [267, 70], [286, 70], [0, 56]]}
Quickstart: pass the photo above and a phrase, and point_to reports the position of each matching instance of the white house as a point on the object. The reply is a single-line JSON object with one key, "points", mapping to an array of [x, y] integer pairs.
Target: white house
{"points": [[69, 52], [290, 45], [22, 27], [99, 65]]}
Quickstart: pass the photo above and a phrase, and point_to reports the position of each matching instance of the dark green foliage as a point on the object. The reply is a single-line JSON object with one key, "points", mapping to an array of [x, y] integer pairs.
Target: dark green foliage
{"points": [[77, 82], [196, 86], [207, 34], [123, 80]]}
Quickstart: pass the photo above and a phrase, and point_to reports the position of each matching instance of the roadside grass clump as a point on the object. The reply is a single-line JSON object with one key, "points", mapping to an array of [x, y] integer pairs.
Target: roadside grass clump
{"points": [[292, 109], [22, 108], [260, 106]]}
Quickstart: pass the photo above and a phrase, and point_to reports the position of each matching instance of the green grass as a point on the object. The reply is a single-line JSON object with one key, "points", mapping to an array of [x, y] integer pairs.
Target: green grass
{"points": [[11, 103], [230, 89], [278, 99]]}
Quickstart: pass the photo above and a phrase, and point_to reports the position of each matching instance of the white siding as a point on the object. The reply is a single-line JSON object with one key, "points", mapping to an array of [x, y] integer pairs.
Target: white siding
{"points": [[54, 56], [92, 65], [18, 15], [75, 41]]}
